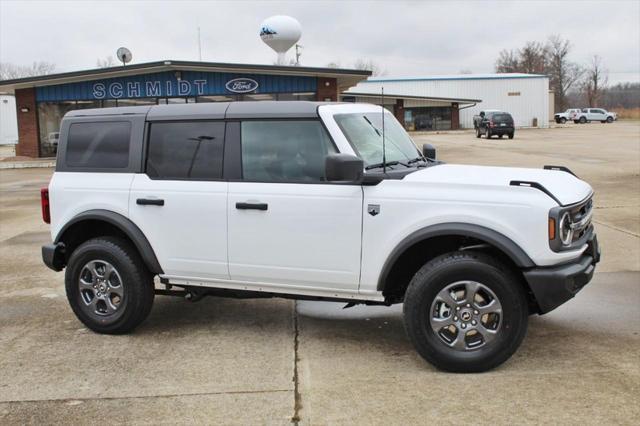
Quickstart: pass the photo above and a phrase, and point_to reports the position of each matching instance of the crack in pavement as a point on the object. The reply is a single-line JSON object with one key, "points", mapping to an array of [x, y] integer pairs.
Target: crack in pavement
{"points": [[297, 398], [175, 395], [633, 234]]}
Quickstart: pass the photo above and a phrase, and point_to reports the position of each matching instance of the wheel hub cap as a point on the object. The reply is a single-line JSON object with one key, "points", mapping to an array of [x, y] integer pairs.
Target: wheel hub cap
{"points": [[466, 315], [100, 288]]}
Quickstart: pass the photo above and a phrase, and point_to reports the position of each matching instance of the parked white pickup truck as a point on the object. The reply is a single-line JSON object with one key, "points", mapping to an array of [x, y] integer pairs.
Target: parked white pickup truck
{"points": [[314, 201], [588, 115], [568, 115]]}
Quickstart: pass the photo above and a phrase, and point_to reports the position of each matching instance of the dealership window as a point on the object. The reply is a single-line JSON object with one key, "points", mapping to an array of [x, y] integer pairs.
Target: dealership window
{"points": [[186, 150], [102, 145], [308, 96], [49, 116], [136, 102], [88, 104], [284, 150], [427, 118], [218, 98]]}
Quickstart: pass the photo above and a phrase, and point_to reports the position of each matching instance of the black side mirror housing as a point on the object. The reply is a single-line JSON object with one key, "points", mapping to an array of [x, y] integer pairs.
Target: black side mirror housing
{"points": [[343, 168], [429, 151]]}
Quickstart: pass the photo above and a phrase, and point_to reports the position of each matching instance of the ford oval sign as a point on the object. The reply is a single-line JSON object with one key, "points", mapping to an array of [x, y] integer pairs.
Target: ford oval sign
{"points": [[241, 85]]}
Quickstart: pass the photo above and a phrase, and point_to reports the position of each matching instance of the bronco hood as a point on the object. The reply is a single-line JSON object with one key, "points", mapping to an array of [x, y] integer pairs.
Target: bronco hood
{"points": [[567, 188]]}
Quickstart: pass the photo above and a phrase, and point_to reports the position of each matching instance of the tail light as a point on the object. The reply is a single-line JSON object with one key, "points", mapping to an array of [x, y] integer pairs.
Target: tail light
{"points": [[44, 203]]}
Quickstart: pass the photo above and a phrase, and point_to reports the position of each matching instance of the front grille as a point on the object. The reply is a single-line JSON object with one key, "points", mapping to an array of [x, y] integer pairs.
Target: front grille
{"points": [[581, 216]]}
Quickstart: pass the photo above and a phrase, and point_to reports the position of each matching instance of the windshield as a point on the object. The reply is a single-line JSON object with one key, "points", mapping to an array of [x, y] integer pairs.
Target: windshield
{"points": [[364, 131]]}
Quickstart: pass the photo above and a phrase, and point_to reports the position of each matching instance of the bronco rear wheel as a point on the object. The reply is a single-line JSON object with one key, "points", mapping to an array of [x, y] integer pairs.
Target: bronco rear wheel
{"points": [[465, 312], [108, 287]]}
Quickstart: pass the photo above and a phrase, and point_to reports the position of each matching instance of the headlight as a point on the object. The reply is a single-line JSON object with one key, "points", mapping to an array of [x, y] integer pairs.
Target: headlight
{"points": [[565, 231]]}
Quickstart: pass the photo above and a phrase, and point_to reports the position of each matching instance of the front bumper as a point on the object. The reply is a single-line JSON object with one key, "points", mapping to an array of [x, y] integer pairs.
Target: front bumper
{"points": [[53, 256], [553, 286]]}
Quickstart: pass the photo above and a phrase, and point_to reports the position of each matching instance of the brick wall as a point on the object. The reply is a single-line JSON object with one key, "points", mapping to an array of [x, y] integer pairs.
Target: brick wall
{"points": [[398, 110], [455, 116], [28, 137], [327, 91]]}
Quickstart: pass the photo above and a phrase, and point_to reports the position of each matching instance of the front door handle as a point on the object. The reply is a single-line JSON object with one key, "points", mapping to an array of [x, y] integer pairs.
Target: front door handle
{"points": [[149, 202], [252, 206]]}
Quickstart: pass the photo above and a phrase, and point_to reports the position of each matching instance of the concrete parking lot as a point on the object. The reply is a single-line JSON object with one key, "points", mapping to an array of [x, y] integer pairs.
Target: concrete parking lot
{"points": [[277, 361]]}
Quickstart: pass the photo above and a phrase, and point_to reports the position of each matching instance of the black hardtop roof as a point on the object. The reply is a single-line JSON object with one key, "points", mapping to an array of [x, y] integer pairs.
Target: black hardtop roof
{"points": [[211, 110]]}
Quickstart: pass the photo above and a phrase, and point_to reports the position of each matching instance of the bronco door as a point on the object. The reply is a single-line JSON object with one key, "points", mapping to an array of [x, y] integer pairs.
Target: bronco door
{"points": [[288, 226]]}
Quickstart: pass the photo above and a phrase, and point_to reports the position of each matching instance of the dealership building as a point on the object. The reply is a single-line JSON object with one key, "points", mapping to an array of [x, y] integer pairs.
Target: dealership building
{"points": [[444, 102], [42, 101], [420, 104]]}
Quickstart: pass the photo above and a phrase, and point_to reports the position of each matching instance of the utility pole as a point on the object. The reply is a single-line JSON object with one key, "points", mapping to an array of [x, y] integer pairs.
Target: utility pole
{"points": [[199, 46], [298, 54]]}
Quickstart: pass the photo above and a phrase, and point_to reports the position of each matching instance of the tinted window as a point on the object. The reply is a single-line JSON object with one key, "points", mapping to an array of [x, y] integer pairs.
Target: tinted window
{"points": [[284, 150], [502, 118], [99, 145], [186, 150]]}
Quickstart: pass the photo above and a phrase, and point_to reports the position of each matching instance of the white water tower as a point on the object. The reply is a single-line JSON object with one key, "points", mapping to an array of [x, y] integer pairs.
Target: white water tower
{"points": [[280, 33]]}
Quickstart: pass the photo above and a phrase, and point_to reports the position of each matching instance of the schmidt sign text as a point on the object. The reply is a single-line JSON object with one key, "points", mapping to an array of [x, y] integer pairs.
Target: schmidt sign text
{"points": [[148, 89]]}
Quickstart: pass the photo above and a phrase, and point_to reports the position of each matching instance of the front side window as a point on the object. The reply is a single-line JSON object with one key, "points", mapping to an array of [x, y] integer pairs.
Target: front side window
{"points": [[364, 132], [186, 150], [100, 145], [284, 150]]}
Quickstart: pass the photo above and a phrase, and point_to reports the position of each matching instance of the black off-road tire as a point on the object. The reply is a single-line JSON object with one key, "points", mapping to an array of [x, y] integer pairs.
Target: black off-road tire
{"points": [[136, 283], [609, 120], [563, 120], [450, 268], [583, 120]]}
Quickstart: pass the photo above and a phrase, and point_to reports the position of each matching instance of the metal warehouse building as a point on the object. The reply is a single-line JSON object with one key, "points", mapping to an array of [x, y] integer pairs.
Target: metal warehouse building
{"points": [[451, 101]]}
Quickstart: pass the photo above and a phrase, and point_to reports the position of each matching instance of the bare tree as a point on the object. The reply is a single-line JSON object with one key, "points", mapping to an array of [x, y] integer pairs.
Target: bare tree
{"points": [[369, 65], [9, 71], [595, 81], [107, 62], [563, 74], [532, 58], [507, 61]]}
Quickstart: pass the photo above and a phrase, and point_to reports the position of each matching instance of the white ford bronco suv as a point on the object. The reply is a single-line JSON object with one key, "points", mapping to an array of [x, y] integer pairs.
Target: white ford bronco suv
{"points": [[313, 201]]}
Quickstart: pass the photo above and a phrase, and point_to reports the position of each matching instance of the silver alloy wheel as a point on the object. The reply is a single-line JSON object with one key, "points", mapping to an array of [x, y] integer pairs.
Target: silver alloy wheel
{"points": [[466, 315], [101, 288]]}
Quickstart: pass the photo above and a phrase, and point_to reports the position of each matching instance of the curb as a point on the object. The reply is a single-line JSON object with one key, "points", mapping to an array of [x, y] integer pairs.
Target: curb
{"points": [[26, 164]]}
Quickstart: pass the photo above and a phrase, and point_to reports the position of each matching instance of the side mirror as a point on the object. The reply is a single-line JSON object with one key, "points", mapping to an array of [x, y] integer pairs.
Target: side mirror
{"points": [[429, 151], [343, 168]]}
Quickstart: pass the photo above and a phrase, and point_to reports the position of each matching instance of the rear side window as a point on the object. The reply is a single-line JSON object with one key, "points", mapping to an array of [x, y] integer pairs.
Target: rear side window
{"points": [[186, 150], [100, 145], [284, 150], [502, 117]]}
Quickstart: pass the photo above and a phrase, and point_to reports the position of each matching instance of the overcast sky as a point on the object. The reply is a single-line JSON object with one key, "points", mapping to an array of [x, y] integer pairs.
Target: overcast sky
{"points": [[404, 38]]}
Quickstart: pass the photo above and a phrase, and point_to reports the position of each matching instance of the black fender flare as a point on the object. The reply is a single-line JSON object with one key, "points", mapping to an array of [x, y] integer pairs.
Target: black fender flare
{"points": [[126, 226], [496, 239]]}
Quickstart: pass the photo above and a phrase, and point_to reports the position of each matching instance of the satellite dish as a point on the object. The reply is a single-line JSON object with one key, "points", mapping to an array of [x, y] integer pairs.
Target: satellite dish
{"points": [[124, 55], [280, 33]]}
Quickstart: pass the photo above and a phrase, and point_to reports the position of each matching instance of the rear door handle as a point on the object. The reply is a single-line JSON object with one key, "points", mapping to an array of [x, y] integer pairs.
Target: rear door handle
{"points": [[149, 202], [252, 206]]}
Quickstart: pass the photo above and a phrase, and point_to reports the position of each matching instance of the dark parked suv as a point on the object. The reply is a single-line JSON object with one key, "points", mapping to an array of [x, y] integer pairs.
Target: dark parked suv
{"points": [[497, 123]]}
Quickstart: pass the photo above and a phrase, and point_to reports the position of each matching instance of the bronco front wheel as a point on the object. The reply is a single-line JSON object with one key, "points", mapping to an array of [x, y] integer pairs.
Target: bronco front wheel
{"points": [[465, 312]]}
